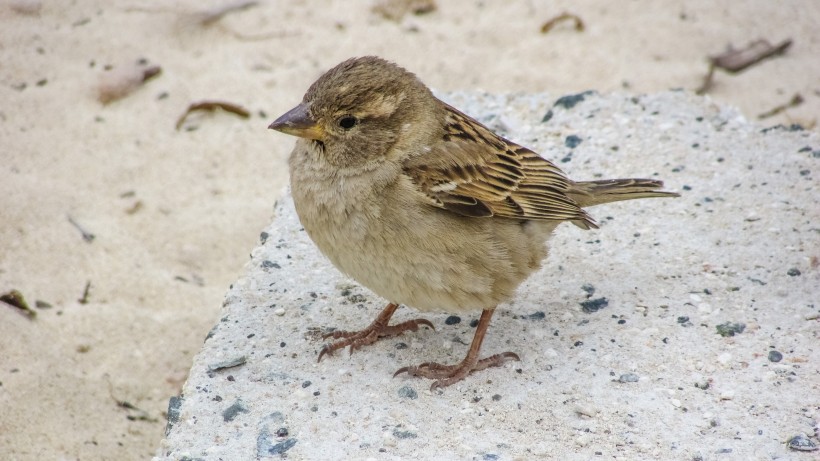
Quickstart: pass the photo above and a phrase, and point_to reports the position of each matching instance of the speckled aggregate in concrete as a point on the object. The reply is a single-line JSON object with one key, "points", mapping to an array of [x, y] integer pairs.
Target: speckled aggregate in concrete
{"points": [[645, 376]]}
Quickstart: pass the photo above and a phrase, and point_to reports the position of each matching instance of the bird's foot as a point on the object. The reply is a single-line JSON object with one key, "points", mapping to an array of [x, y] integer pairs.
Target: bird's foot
{"points": [[446, 375], [375, 331]]}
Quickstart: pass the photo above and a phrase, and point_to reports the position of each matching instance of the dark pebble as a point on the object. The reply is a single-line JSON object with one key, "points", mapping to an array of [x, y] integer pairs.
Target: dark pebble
{"points": [[233, 411], [265, 447], [404, 434], [547, 116], [628, 378], [496, 397], [270, 264], [356, 298], [537, 316], [793, 272], [408, 392], [621, 322], [569, 101], [452, 320], [775, 356], [490, 457], [594, 305], [173, 412], [589, 289], [306, 384], [572, 141], [282, 432], [730, 329], [401, 345], [263, 237], [578, 343], [801, 443], [474, 323]]}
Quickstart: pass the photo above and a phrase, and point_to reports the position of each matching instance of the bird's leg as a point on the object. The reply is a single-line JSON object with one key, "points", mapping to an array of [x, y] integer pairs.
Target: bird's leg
{"points": [[446, 375], [375, 331]]}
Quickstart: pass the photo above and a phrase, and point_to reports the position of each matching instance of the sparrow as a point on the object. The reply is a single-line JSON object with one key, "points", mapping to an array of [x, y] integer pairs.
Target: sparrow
{"points": [[424, 205]]}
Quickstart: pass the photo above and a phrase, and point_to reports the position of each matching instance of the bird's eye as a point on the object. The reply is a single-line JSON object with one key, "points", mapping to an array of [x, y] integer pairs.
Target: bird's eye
{"points": [[348, 121]]}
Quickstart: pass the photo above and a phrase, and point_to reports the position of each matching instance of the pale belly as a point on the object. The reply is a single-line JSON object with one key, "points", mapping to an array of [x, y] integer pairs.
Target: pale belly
{"points": [[412, 253]]}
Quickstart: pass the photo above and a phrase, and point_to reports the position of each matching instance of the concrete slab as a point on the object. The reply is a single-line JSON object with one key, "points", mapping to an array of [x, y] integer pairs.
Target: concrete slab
{"points": [[682, 329]]}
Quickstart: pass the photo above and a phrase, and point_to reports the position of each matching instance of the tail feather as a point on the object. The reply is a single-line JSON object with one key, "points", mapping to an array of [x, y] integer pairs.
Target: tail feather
{"points": [[590, 193]]}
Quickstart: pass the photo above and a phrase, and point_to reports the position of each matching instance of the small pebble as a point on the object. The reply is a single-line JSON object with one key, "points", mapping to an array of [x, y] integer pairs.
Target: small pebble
{"points": [[233, 411], [264, 448], [452, 320], [594, 305], [569, 101], [793, 272], [572, 141], [801, 443], [230, 363], [404, 434], [280, 312], [270, 265], [537, 316], [408, 392], [547, 116], [730, 328], [775, 356], [628, 378]]}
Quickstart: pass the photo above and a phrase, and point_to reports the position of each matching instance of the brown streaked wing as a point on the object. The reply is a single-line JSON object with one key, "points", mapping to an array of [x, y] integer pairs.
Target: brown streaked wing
{"points": [[474, 172]]}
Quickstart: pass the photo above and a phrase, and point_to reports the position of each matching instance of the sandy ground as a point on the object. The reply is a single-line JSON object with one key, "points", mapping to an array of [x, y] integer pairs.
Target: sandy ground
{"points": [[175, 212]]}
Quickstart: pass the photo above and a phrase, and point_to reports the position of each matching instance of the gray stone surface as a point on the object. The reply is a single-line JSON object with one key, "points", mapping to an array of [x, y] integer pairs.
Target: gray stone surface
{"points": [[644, 375]]}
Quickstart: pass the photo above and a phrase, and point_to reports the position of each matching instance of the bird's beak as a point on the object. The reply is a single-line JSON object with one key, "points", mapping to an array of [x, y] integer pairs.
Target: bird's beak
{"points": [[298, 122]]}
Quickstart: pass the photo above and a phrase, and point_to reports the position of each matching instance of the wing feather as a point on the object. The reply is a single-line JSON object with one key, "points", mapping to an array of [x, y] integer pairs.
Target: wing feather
{"points": [[474, 172]]}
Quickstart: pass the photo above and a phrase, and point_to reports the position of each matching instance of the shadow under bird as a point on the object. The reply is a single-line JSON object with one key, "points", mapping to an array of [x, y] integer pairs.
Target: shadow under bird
{"points": [[424, 205]]}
